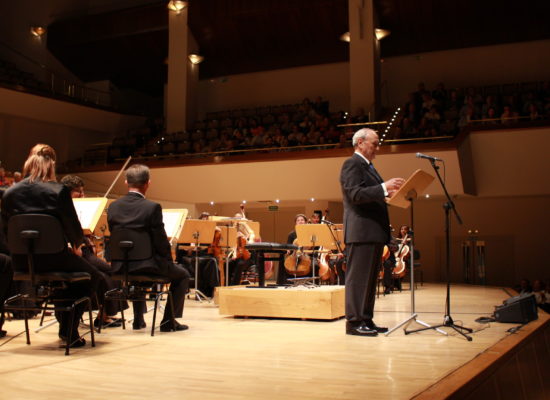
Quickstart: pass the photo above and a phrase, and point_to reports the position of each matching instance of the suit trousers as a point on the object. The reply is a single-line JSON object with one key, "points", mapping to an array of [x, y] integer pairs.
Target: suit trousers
{"points": [[363, 260], [179, 286]]}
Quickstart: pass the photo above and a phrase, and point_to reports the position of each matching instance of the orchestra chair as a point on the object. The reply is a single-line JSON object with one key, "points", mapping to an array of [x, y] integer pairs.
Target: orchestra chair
{"points": [[35, 235], [127, 245]]}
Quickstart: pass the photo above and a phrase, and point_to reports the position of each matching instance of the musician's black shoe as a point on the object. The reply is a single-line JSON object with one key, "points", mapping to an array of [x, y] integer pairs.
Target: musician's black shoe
{"points": [[77, 340], [2, 333], [371, 325], [168, 327], [359, 329], [114, 323], [137, 325]]}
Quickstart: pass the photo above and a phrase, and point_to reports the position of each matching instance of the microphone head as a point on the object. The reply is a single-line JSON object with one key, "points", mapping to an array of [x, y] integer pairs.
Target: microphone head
{"points": [[418, 155]]}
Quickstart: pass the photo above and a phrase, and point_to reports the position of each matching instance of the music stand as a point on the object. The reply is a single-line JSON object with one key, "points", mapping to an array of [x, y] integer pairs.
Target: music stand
{"points": [[447, 206], [404, 198], [314, 235], [198, 233], [89, 211]]}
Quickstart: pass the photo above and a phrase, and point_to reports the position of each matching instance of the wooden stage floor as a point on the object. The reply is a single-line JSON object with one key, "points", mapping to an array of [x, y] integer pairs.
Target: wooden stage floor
{"points": [[222, 357]]}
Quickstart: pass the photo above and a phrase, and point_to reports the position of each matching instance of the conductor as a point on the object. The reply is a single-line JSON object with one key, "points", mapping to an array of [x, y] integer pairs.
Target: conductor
{"points": [[366, 230]]}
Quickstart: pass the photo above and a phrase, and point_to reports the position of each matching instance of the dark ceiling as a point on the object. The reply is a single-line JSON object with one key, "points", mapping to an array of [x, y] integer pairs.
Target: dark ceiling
{"points": [[129, 47]]}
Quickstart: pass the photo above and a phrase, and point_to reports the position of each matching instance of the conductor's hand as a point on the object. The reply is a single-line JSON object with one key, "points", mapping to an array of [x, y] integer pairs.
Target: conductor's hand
{"points": [[393, 185]]}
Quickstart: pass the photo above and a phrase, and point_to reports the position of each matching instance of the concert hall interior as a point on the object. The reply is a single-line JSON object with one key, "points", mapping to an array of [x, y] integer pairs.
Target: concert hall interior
{"points": [[261, 126]]}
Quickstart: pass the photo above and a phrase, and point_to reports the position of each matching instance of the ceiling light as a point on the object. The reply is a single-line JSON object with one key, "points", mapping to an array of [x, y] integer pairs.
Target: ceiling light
{"points": [[37, 31], [195, 58], [345, 37], [381, 33], [176, 5]]}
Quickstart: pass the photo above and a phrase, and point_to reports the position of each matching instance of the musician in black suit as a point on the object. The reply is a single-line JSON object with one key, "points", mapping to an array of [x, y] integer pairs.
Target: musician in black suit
{"points": [[366, 230], [40, 193], [134, 211]]}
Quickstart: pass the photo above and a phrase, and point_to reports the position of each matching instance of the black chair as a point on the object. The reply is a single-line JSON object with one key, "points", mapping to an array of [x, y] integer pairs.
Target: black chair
{"points": [[127, 245], [35, 235]]}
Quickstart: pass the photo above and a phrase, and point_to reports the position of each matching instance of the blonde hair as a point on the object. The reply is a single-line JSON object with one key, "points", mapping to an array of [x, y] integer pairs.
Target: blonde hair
{"points": [[40, 164]]}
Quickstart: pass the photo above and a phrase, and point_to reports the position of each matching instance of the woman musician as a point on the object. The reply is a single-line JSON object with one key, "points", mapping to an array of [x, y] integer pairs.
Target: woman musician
{"points": [[243, 259]]}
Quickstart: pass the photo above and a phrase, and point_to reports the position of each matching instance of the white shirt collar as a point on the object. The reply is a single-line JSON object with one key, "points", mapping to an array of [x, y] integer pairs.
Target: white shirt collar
{"points": [[363, 157]]}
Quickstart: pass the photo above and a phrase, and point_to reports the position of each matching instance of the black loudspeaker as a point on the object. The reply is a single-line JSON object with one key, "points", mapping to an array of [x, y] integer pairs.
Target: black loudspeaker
{"points": [[518, 309]]}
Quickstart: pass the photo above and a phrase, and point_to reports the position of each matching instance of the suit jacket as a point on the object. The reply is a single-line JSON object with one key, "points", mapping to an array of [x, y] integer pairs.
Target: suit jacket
{"points": [[50, 198], [366, 217], [133, 211]]}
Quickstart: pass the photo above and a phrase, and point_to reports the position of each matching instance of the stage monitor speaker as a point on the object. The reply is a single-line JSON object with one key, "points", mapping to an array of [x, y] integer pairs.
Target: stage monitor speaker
{"points": [[518, 309]]}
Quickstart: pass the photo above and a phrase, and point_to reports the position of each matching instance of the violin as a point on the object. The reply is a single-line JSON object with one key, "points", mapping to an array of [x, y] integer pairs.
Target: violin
{"points": [[242, 252]]}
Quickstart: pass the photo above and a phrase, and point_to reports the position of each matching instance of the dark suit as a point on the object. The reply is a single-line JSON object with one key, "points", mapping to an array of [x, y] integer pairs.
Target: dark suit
{"points": [[134, 211], [54, 199], [366, 230]]}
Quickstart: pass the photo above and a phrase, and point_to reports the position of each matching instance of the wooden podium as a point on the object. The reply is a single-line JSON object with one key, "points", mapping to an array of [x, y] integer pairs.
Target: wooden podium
{"points": [[323, 302]]}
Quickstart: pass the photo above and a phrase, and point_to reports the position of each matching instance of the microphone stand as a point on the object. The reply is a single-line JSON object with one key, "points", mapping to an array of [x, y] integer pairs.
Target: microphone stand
{"points": [[448, 206]]}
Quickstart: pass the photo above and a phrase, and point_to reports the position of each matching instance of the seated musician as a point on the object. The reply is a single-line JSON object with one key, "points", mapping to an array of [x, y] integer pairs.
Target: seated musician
{"points": [[112, 307], [404, 231], [209, 274], [135, 211], [388, 265], [316, 217], [241, 262], [40, 193]]}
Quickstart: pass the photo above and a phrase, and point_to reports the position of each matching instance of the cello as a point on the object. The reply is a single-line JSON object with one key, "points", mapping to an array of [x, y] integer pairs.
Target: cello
{"points": [[402, 252], [216, 251]]}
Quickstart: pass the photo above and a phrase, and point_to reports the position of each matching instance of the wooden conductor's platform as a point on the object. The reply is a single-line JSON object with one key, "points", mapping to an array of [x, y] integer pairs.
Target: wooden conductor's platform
{"points": [[322, 302]]}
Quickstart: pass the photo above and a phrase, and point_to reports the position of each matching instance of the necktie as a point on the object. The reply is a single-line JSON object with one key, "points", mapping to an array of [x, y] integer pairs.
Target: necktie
{"points": [[374, 172]]}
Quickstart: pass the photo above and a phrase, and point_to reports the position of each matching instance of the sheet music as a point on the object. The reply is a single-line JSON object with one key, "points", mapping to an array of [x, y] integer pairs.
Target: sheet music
{"points": [[88, 211], [173, 221]]}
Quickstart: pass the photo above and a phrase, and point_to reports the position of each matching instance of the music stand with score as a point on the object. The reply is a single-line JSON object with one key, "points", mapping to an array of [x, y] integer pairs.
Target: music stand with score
{"points": [[198, 233], [314, 235], [404, 198]]}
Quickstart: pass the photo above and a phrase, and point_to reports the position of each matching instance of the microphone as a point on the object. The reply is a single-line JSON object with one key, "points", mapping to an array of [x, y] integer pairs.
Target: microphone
{"points": [[431, 158], [326, 221]]}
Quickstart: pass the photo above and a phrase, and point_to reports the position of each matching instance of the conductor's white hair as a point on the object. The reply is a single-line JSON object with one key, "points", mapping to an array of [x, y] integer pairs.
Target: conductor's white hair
{"points": [[361, 134]]}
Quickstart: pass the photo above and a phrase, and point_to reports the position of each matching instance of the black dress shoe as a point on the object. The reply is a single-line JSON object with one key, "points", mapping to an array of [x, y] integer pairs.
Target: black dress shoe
{"points": [[168, 327], [137, 325], [80, 342], [359, 329], [371, 325], [2, 333], [115, 323]]}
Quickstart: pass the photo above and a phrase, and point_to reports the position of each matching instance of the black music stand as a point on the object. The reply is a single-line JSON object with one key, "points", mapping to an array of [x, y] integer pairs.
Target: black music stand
{"points": [[447, 319], [404, 198], [314, 235], [199, 233]]}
